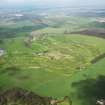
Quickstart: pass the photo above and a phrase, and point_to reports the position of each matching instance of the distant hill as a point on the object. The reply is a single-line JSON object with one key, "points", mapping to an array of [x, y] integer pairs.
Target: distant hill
{"points": [[92, 32]]}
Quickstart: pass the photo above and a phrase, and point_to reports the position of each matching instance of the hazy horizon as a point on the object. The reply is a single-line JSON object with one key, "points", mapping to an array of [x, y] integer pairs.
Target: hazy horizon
{"points": [[51, 3]]}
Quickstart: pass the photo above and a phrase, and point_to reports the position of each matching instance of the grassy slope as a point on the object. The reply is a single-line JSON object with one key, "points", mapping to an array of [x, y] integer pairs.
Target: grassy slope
{"points": [[89, 84], [24, 68]]}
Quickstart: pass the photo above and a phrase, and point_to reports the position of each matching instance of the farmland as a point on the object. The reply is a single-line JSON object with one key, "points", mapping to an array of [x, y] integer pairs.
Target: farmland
{"points": [[51, 57]]}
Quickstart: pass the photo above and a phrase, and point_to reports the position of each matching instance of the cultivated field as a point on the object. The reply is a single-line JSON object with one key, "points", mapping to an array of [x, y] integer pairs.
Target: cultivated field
{"points": [[52, 57]]}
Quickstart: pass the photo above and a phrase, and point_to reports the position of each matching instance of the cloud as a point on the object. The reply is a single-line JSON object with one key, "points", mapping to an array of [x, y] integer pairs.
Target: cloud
{"points": [[14, 1]]}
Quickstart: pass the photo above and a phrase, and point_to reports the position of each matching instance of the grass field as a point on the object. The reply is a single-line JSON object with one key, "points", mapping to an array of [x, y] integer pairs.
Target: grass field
{"points": [[51, 64]]}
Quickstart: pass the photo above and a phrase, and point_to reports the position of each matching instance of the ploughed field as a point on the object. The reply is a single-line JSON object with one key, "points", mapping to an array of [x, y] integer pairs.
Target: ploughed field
{"points": [[48, 64]]}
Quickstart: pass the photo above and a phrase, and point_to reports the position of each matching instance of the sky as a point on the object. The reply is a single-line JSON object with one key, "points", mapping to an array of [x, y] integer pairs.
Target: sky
{"points": [[13, 3]]}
